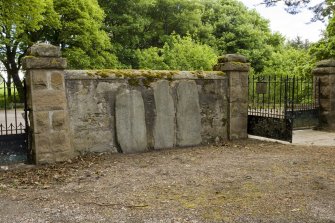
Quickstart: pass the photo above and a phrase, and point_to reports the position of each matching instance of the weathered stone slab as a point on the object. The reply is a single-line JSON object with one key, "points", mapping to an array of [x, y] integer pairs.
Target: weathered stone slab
{"points": [[164, 129], [130, 121], [188, 114]]}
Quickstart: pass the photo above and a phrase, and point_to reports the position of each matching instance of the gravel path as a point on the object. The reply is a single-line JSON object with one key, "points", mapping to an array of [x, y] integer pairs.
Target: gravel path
{"points": [[244, 181]]}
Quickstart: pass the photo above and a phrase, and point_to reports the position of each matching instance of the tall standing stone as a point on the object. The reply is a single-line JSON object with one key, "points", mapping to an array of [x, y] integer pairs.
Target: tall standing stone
{"points": [[131, 129], [237, 69], [164, 128], [188, 114], [325, 73], [47, 104]]}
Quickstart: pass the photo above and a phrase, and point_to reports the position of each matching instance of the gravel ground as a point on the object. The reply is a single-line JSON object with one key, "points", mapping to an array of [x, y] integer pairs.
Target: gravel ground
{"points": [[242, 181]]}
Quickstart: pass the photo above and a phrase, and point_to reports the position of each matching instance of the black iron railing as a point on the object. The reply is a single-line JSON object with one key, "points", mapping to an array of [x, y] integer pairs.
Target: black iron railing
{"points": [[272, 96]]}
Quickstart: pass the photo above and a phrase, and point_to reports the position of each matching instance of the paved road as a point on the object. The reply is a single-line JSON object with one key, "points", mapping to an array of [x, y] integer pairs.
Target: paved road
{"points": [[11, 116], [307, 137]]}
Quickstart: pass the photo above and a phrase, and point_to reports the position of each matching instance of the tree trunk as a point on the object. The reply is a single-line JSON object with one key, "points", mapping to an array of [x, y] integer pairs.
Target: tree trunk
{"points": [[9, 85], [18, 84]]}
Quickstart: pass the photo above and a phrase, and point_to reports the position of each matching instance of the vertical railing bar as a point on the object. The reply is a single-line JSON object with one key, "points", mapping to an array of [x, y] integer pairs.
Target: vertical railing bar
{"points": [[5, 100], [253, 92], [292, 106], [285, 95], [269, 93], [15, 110], [257, 102], [274, 93]]}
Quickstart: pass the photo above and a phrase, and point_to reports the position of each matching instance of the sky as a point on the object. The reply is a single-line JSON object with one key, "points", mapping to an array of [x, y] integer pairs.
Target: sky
{"points": [[289, 25]]}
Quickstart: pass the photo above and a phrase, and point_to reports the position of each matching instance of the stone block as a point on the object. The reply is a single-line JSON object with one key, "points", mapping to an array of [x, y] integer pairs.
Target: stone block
{"points": [[59, 141], [238, 128], [58, 120], [238, 109], [44, 63], [57, 80], [41, 122], [164, 127], [44, 50], [238, 93], [48, 100], [41, 143], [188, 114], [130, 121], [238, 78], [39, 79]]}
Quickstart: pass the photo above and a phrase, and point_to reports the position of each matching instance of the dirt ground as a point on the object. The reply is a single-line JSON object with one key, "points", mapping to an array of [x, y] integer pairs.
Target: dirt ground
{"points": [[245, 181]]}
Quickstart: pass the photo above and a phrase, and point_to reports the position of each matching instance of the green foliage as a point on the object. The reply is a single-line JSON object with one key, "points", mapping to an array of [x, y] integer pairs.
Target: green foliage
{"points": [[325, 48], [290, 61], [238, 30], [80, 35], [178, 54]]}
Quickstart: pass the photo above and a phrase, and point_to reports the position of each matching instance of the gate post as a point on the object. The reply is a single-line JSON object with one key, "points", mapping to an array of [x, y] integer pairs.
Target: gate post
{"points": [[237, 69], [47, 104], [325, 72]]}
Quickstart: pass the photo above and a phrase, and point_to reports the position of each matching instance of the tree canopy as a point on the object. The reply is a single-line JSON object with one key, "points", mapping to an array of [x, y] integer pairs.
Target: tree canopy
{"points": [[157, 34]]}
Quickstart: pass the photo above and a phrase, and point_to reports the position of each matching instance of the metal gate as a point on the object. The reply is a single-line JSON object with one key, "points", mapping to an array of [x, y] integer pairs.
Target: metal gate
{"points": [[277, 105], [13, 123]]}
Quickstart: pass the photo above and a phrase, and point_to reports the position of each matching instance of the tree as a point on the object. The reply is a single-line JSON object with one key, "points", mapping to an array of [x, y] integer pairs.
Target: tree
{"points": [[235, 29], [290, 61], [140, 24], [81, 37], [75, 25], [18, 20], [178, 54], [325, 48], [321, 10]]}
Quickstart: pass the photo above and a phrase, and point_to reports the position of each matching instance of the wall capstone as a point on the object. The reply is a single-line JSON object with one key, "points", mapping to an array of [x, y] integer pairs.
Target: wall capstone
{"points": [[47, 104]]}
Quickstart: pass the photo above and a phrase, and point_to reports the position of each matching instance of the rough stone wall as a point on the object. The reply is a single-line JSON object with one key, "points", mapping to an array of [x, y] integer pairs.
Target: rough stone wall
{"points": [[133, 111], [325, 72], [130, 111]]}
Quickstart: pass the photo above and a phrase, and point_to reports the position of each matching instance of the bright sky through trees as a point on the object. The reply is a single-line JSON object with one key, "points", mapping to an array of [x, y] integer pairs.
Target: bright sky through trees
{"points": [[289, 25]]}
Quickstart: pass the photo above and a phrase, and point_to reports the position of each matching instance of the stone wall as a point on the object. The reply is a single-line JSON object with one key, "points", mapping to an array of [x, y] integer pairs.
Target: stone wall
{"points": [[134, 111], [73, 112]]}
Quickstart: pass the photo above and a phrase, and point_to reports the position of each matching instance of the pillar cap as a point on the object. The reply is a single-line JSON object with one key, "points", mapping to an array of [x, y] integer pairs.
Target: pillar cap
{"points": [[232, 58], [44, 50], [326, 63]]}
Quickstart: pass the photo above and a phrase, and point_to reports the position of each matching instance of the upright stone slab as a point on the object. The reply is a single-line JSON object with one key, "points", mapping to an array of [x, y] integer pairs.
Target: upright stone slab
{"points": [[237, 69], [325, 73], [188, 114], [164, 129], [49, 121], [131, 129]]}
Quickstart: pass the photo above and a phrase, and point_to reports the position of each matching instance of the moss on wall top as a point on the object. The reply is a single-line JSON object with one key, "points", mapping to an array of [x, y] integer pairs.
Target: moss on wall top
{"points": [[145, 74]]}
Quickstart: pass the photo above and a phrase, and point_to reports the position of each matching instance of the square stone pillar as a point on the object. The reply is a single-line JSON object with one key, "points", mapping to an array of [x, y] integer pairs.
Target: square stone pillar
{"points": [[325, 72], [47, 104], [237, 69]]}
